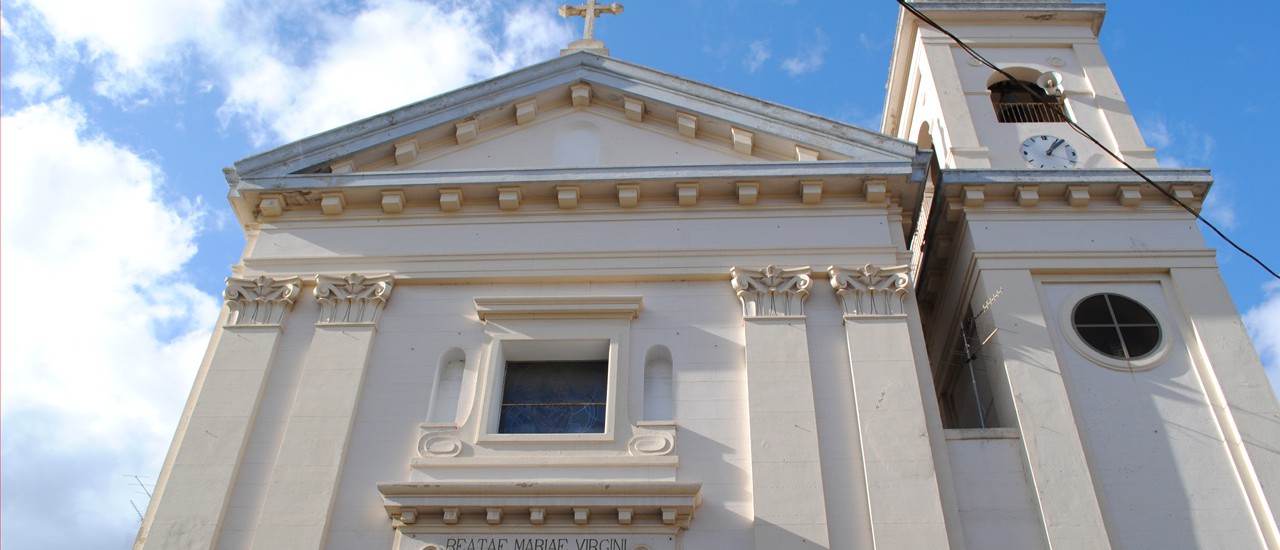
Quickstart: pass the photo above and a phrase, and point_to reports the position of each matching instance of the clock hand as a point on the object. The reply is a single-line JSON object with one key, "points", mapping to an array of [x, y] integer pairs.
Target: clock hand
{"points": [[1055, 145]]}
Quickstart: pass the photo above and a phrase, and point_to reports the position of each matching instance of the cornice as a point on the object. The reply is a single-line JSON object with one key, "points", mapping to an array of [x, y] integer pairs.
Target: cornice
{"points": [[444, 506], [539, 489], [392, 195], [579, 267], [558, 307], [575, 175], [957, 176], [999, 12]]}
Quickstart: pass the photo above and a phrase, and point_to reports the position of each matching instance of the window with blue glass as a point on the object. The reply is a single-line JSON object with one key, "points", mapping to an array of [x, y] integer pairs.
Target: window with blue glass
{"points": [[546, 397]]}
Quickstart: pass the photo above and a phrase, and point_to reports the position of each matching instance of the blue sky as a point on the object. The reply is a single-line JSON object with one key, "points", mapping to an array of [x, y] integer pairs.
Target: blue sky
{"points": [[118, 116]]}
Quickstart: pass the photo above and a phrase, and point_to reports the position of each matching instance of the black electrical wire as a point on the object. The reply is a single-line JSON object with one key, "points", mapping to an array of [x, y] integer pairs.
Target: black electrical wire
{"points": [[1038, 95]]}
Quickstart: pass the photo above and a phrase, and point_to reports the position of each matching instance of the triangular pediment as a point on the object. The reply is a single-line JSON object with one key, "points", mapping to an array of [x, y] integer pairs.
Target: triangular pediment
{"points": [[580, 110], [582, 138]]}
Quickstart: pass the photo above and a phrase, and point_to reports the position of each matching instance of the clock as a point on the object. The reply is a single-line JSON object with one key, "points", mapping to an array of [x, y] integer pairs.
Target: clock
{"points": [[1048, 152]]}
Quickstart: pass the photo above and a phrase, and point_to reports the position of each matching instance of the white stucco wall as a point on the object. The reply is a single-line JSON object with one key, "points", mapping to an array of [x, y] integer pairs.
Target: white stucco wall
{"points": [[700, 322], [996, 502], [1160, 463]]}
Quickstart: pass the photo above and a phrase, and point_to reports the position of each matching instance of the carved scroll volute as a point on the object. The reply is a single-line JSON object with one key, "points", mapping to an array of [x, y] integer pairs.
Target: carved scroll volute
{"points": [[440, 444], [653, 439], [871, 290], [352, 299], [260, 301], [772, 292]]}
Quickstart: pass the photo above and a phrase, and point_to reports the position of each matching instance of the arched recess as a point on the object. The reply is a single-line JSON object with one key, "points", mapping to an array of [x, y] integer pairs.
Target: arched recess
{"points": [[932, 135], [1022, 100], [447, 388], [1025, 74], [659, 397], [925, 141], [924, 137]]}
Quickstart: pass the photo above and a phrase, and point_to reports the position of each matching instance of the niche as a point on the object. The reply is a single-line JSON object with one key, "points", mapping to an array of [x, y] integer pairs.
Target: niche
{"points": [[658, 396], [447, 388]]}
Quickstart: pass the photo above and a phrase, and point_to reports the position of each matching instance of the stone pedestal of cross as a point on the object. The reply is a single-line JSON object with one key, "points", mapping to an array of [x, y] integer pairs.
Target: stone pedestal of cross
{"points": [[589, 11]]}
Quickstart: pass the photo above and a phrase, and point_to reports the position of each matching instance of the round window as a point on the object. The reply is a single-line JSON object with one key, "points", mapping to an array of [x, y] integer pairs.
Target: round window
{"points": [[1116, 326]]}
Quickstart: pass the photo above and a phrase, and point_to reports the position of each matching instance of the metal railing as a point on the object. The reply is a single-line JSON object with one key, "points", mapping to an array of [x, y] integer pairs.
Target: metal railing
{"points": [[1030, 112]]}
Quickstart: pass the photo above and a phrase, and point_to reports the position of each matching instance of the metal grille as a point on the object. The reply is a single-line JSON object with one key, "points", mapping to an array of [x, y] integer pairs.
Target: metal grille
{"points": [[1030, 112]]}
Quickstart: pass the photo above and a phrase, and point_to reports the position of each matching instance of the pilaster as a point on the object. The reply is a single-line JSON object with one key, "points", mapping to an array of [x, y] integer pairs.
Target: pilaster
{"points": [[1237, 387], [968, 149], [786, 469], [1055, 455], [191, 501], [904, 497], [304, 481], [1112, 107]]}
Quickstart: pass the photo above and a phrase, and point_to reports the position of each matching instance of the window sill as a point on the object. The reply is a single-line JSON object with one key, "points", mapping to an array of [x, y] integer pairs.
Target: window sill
{"points": [[953, 434], [545, 438], [560, 461]]}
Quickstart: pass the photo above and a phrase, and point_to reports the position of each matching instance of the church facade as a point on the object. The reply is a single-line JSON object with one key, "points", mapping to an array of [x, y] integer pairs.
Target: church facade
{"points": [[590, 305]]}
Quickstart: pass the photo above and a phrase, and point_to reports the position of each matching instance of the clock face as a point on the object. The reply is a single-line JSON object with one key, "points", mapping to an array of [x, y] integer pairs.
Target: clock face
{"points": [[1048, 152]]}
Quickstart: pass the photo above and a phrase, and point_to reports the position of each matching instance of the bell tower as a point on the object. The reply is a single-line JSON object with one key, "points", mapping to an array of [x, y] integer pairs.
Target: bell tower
{"points": [[975, 117], [1073, 314]]}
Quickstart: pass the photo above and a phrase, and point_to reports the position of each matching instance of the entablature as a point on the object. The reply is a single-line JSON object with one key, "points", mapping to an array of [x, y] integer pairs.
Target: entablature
{"points": [[501, 506], [1044, 12], [899, 183], [1074, 188], [1041, 197]]}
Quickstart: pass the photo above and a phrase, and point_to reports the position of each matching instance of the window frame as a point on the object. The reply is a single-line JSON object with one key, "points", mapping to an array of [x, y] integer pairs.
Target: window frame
{"points": [[1067, 327], [559, 340]]}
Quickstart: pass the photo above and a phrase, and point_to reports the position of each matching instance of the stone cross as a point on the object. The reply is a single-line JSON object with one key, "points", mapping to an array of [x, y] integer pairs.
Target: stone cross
{"points": [[589, 11]]}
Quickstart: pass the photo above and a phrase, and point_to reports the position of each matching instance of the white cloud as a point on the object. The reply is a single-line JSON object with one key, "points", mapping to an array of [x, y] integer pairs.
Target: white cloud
{"points": [[1178, 144], [758, 54], [1263, 322], [129, 41], [810, 58], [102, 333], [39, 66], [531, 34], [857, 116], [871, 45], [99, 328], [1219, 206], [283, 79], [393, 53]]}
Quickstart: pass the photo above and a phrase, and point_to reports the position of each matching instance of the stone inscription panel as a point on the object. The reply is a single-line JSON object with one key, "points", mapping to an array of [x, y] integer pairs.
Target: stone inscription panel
{"points": [[542, 541]]}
